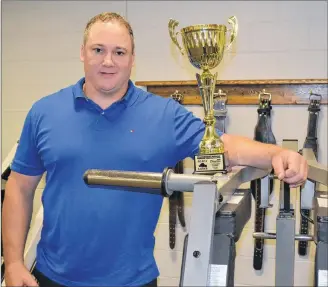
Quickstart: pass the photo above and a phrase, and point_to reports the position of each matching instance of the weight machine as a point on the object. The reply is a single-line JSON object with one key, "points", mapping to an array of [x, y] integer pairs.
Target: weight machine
{"points": [[285, 236], [215, 227], [216, 224]]}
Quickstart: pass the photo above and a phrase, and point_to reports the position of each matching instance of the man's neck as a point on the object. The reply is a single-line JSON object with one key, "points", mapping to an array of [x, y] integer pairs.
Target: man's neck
{"points": [[104, 100]]}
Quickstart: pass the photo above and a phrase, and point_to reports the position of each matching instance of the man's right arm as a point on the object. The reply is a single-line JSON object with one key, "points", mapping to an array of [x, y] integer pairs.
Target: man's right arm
{"points": [[16, 215], [26, 171]]}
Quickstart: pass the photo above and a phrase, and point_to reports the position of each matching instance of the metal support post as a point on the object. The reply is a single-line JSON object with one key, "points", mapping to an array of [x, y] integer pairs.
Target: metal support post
{"points": [[200, 243], [285, 228], [265, 192], [285, 250], [321, 238]]}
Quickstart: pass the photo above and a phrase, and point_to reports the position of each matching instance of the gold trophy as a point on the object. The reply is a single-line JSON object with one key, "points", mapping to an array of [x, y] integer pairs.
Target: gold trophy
{"points": [[205, 45]]}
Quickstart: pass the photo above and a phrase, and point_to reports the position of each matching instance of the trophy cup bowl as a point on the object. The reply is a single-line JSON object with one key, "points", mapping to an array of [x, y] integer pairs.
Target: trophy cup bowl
{"points": [[205, 45]]}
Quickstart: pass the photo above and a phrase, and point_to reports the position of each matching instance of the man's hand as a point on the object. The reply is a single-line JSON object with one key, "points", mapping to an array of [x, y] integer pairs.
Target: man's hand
{"points": [[290, 167], [16, 274]]}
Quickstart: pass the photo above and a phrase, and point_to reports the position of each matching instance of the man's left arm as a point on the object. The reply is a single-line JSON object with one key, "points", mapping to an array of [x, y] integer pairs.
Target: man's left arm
{"points": [[288, 165]]}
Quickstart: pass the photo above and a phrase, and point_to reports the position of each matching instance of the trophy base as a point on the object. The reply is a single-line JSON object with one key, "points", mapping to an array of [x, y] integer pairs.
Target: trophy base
{"points": [[209, 164]]}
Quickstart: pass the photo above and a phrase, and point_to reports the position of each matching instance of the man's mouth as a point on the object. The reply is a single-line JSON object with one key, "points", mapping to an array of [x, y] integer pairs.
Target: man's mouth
{"points": [[107, 73]]}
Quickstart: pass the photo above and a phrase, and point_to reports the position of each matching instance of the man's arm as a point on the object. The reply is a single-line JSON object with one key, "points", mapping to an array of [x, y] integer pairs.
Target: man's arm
{"points": [[16, 215], [288, 165], [244, 151]]}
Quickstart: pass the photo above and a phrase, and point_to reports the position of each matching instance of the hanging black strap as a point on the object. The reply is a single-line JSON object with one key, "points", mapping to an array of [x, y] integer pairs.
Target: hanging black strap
{"points": [[176, 200], [263, 133], [311, 141], [220, 111]]}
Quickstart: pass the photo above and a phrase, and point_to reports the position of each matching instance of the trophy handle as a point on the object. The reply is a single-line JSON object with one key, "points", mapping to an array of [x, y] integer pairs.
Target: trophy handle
{"points": [[172, 25], [234, 30]]}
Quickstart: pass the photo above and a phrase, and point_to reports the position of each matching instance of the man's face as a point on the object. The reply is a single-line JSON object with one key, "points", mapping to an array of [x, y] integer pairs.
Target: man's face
{"points": [[107, 56]]}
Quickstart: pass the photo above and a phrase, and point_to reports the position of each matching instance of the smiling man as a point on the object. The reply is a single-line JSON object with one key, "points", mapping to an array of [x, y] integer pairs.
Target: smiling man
{"points": [[107, 63], [96, 236]]}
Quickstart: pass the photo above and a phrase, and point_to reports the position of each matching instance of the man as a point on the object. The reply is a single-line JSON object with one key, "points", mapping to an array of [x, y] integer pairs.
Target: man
{"points": [[95, 236]]}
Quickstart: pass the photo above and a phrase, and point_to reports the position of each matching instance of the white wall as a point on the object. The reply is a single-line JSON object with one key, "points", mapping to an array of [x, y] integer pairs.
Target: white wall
{"points": [[277, 40]]}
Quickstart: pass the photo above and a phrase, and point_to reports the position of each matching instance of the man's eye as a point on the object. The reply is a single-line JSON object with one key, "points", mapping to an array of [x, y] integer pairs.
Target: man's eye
{"points": [[97, 50], [120, 53]]}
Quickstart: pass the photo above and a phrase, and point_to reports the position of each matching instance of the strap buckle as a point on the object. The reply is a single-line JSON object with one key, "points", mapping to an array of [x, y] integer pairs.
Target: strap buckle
{"points": [[177, 96], [265, 102], [220, 100], [315, 102], [264, 95], [313, 95]]}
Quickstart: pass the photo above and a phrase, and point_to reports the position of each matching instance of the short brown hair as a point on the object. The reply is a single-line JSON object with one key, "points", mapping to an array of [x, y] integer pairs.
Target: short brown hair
{"points": [[108, 17]]}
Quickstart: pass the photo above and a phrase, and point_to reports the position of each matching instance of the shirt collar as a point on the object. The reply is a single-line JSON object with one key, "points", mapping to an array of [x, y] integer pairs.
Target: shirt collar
{"points": [[128, 99]]}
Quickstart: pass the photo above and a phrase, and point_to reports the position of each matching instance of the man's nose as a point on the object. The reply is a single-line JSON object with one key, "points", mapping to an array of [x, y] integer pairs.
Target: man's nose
{"points": [[108, 60]]}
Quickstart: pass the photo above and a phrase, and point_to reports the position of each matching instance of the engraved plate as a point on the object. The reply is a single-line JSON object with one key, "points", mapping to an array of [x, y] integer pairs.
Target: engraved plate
{"points": [[209, 163]]}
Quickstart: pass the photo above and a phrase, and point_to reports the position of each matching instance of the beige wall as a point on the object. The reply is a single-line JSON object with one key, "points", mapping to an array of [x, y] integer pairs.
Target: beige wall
{"points": [[277, 40]]}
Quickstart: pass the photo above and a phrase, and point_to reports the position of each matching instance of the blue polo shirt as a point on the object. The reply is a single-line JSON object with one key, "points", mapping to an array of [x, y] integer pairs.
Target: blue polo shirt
{"points": [[101, 236]]}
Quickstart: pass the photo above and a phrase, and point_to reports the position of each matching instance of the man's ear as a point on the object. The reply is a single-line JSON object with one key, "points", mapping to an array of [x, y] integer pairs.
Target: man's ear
{"points": [[82, 53]]}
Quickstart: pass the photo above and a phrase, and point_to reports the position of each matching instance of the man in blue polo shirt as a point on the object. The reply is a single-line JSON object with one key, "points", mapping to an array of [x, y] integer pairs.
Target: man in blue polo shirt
{"points": [[102, 237]]}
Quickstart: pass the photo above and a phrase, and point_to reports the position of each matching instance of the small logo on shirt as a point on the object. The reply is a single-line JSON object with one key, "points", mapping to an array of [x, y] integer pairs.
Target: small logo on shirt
{"points": [[131, 131]]}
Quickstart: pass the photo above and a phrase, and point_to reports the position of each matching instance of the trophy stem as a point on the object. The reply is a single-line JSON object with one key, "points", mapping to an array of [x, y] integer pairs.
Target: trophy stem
{"points": [[211, 142], [206, 83]]}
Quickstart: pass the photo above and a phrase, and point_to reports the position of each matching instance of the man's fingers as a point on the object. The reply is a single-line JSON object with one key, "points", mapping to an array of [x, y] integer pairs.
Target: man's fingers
{"points": [[30, 281], [291, 172], [294, 166], [290, 167], [296, 184], [297, 178], [278, 166]]}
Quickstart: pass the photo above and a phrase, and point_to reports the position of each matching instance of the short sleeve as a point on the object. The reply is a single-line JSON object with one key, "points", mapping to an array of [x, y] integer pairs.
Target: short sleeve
{"points": [[27, 159], [189, 131]]}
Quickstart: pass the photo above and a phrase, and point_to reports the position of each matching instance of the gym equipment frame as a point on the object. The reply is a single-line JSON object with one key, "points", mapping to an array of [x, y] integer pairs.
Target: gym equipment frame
{"points": [[215, 227], [209, 253], [311, 199]]}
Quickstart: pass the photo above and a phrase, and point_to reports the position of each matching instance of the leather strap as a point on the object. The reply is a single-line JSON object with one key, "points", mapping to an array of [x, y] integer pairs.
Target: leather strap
{"points": [[263, 133], [176, 200], [220, 110], [5, 174], [311, 141], [180, 198], [220, 114]]}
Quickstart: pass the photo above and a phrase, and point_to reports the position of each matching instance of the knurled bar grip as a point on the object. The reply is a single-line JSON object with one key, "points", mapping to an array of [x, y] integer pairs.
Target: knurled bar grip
{"points": [[123, 178], [168, 181], [165, 183]]}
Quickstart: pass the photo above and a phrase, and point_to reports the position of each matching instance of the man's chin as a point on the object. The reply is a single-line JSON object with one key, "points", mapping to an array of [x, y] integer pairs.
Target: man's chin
{"points": [[107, 90]]}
